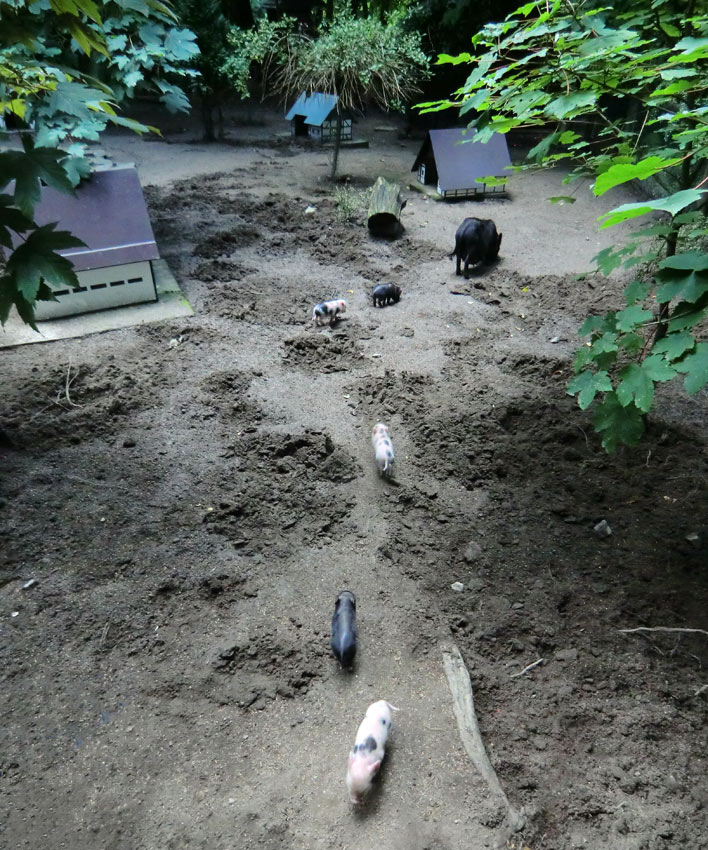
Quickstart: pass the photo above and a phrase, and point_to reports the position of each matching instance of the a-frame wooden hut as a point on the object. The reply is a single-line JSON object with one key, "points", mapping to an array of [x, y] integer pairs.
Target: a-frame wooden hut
{"points": [[109, 213], [450, 162], [315, 116]]}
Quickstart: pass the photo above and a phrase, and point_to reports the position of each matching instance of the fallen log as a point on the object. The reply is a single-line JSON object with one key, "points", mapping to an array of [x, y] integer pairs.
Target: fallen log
{"points": [[458, 678], [385, 205]]}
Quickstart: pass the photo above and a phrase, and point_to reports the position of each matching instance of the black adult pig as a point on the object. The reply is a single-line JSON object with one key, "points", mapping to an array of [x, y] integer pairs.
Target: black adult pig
{"points": [[476, 241]]}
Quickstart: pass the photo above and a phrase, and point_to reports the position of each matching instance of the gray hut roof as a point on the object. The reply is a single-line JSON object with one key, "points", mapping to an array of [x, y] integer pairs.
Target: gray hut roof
{"points": [[315, 107], [109, 213], [459, 161]]}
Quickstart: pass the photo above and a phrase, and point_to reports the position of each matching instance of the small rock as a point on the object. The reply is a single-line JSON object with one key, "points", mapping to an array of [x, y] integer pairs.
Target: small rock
{"points": [[473, 552], [30, 583], [309, 209], [566, 655], [128, 443], [694, 538], [602, 529], [555, 339], [457, 586], [407, 332]]}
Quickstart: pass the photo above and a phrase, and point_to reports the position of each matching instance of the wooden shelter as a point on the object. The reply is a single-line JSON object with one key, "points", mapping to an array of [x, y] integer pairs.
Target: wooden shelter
{"points": [[315, 116], [109, 213], [449, 161]]}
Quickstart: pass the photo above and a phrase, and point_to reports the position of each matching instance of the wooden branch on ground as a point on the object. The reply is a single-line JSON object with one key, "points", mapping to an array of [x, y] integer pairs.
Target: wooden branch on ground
{"points": [[663, 629], [527, 668], [458, 678]]}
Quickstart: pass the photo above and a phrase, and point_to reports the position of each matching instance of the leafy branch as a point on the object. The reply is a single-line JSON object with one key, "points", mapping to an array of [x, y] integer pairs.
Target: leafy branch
{"points": [[565, 67]]}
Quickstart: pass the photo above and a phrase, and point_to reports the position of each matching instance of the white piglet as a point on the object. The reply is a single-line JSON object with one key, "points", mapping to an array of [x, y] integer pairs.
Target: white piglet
{"points": [[369, 750], [383, 448]]}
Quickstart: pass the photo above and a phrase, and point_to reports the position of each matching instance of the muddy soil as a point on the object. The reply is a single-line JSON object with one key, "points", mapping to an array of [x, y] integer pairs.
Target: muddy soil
{"points": [[182, 502]]}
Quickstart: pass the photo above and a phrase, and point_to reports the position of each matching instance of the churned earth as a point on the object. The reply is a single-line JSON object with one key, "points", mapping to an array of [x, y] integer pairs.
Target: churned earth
{"points": [[181, 503]]}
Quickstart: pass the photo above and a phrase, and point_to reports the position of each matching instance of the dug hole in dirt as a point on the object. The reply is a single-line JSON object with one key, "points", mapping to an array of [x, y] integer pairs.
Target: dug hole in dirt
{"points": [[182, 502]]}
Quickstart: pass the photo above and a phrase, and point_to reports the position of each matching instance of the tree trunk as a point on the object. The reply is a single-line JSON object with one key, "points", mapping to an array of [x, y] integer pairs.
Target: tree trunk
{"points": [[662, 327], [207, 119], [385, 205], [337, 143], [239, 13]]}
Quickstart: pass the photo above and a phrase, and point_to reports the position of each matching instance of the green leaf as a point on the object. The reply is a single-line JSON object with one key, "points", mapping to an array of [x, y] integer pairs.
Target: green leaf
{"points": [[692, 49], [687, 315], [36, 260], [672, 204], [583, 357], [562, 199], [670, 29], [606, 342], [631, 343], [637, 381], [673, 89], [695, 365], [74, 99], [618, 424], [29, 169], [181, 44], [623, 173], [636, 291], [690, 287], [570, 105], [658, 369], [632, 316], [673, 345], [173, 97], [587, 384], [446, 59], [635, 386], [77, 169], [12, 218], [475, 102], [591, 324], [541, 149], [686, 260]]}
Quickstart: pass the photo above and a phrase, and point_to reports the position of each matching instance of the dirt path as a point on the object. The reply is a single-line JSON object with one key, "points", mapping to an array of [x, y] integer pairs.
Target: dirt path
{"points": [[191, 516]]}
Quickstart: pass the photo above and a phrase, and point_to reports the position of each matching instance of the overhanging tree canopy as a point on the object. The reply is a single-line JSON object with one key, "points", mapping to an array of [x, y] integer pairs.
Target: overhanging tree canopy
{"points": [[621, 95]]}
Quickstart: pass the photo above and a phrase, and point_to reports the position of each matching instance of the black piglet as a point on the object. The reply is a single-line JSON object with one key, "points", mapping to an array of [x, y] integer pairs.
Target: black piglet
{"points": [[343, 639]]}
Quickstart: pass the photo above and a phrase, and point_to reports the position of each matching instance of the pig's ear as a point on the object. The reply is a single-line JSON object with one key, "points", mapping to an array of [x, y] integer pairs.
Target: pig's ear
{"points": [[374, 767]]}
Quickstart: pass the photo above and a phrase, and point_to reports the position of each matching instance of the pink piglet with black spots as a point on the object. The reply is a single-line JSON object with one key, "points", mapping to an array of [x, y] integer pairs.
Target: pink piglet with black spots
{"points": [[383, 449], [369, 750]]}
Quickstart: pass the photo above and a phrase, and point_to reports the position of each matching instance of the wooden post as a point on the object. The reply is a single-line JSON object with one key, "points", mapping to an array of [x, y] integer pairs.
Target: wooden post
{"points": [[385, 205]]}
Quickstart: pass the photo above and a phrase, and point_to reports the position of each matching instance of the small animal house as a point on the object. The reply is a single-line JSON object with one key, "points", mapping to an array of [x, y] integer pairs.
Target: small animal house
{"points": [[315, 116], [450, 162]]}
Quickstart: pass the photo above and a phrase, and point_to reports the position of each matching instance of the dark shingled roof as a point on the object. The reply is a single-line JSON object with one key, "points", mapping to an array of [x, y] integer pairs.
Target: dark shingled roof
{"points": [[315, 107], [459, 161], [109, 213]]}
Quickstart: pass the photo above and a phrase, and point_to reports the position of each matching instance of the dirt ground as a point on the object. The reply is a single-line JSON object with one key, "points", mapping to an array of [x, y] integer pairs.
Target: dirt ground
{"points": [[189, 510]]}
